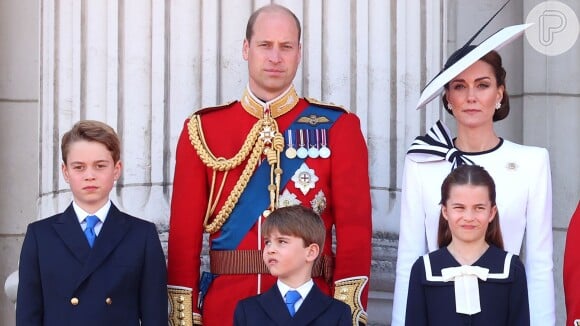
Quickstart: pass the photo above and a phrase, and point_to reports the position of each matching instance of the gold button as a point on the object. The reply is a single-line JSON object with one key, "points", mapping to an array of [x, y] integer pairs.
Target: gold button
{"points": [[108, 301], [180, 299], [181, 307], [74, 301]]}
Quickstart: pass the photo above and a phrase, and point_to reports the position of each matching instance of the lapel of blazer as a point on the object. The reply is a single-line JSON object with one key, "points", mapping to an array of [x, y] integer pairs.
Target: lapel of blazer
{"points": [[112, 232], [273, 305], [69, 230], [312, 306]]}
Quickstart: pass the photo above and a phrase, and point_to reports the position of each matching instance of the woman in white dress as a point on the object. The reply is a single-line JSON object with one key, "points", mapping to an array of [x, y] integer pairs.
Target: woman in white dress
{"points": [[476, 96]]}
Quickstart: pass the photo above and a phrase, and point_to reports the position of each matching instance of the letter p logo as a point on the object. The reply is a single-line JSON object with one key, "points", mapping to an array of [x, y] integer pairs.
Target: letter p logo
{"points": [[555, 28]]}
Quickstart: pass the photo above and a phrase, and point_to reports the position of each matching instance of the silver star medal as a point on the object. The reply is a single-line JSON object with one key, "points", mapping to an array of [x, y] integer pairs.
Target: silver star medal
{"points": [[267, 134], [288, 199], [304, 178], [319, 203]]}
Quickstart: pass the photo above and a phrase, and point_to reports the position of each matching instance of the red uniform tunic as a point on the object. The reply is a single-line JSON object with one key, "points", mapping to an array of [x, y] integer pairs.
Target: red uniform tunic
{"points": [[342, 180], [572, 270]]}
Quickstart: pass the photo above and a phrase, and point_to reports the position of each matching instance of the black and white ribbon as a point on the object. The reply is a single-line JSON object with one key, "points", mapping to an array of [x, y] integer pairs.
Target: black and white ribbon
{"points": [[436, 145]]}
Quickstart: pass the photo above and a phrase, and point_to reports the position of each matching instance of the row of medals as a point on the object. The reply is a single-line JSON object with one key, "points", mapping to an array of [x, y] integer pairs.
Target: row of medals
{"points": [[303, 143]]}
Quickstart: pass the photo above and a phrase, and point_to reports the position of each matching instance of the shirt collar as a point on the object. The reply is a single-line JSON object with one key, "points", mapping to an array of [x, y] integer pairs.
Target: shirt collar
{"points": [[276, 107], [303, 289], [101, 213]]}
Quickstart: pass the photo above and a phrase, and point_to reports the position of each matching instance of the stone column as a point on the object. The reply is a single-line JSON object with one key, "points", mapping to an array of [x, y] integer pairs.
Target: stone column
{"points": [[103, 60], [551, 116], [19, 84]]}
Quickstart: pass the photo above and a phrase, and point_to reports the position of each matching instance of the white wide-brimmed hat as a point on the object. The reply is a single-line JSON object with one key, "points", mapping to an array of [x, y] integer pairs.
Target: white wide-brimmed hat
{"points": [[468, 55]]}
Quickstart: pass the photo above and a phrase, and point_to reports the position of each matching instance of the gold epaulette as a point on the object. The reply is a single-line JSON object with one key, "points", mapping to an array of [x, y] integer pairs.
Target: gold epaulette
{"points": [[181, 307], [326, 105], [349, 291], [213, 108]]}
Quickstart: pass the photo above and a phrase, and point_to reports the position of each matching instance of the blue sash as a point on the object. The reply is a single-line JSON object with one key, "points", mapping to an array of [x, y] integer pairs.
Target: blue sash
{"points": [[255, 198]]}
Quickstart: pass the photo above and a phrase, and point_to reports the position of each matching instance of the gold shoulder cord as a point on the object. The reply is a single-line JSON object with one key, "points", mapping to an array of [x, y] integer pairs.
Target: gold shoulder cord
{"points": [[349, 291], [262, 138]]}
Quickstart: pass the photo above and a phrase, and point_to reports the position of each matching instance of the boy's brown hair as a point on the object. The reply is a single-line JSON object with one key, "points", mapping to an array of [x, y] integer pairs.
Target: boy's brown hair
{"points": [[297, 221], [91, 130]]}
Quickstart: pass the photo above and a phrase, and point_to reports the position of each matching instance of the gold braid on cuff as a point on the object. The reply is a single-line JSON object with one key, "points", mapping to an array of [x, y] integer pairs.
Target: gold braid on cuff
{"points": [[181, 307], [349, 291]]}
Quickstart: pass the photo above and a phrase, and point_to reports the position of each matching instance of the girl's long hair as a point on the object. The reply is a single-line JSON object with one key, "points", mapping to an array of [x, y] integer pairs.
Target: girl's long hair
{"points": [[469, 175]]}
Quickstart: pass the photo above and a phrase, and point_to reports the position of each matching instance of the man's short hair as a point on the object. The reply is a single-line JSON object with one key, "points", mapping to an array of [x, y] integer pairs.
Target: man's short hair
{"points": [[270, 8]]}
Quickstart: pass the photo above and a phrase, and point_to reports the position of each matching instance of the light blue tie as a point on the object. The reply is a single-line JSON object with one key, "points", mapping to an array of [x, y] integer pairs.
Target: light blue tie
{"points": [[91, 220], [291, 298]]}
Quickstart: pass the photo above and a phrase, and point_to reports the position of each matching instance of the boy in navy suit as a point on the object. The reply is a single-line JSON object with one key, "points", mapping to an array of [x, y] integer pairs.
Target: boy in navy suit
{"points": [[293, 240], [91, 264]]}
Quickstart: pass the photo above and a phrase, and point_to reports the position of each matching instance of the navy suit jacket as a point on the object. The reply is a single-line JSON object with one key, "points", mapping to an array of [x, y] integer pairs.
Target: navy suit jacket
{"points": [[120, 281], [317, 309]]}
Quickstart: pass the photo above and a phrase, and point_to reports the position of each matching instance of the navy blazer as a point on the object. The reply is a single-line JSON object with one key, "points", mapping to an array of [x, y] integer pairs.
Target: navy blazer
{"points": [[120, 281], [317, 309]]}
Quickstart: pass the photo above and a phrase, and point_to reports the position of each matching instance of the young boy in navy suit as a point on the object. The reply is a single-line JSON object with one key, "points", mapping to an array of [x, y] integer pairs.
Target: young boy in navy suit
{"points": [[293, 239], [91, 264]]}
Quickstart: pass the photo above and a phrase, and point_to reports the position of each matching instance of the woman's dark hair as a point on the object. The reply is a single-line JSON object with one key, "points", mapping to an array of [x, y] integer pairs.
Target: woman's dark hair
{"points": [[494, 60], [469, 175]]}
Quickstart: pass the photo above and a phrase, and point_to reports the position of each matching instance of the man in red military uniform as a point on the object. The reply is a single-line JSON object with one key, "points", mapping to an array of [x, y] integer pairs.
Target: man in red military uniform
{"points": [[572, 270], [236, 163]]}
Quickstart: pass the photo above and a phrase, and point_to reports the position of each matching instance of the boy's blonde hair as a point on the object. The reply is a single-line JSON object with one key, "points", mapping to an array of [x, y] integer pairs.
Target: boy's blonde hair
{"points": [[91, 130], [297, 221]]}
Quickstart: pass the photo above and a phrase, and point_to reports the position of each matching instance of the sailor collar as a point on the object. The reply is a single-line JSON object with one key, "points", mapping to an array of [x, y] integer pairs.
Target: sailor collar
{"points": [[501, 275], [465, 280], [276, 107]]}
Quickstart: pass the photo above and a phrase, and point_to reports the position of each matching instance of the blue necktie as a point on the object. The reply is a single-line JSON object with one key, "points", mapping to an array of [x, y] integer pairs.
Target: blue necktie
{"points": [[91, 220], [291, 298]]}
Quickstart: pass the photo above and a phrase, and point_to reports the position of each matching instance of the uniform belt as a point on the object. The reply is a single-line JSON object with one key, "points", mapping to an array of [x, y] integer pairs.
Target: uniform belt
{"points": [[251, 262]]}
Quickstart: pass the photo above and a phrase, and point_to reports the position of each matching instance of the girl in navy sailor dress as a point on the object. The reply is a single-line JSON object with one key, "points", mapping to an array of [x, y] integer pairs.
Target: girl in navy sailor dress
{"points": [[470, 280]]}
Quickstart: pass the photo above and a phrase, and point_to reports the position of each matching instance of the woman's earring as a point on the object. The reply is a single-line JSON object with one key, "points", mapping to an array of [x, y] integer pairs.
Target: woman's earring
{"points": [[497, 106], [450, 106]]}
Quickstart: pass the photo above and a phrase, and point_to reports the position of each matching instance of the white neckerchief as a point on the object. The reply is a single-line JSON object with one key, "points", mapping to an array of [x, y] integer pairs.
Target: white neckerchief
{"points": [[466, 286]]}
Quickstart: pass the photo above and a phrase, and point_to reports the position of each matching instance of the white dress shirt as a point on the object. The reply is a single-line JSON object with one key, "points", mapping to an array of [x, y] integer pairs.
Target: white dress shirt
{"points": [[101, 214], [303, 289]]}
